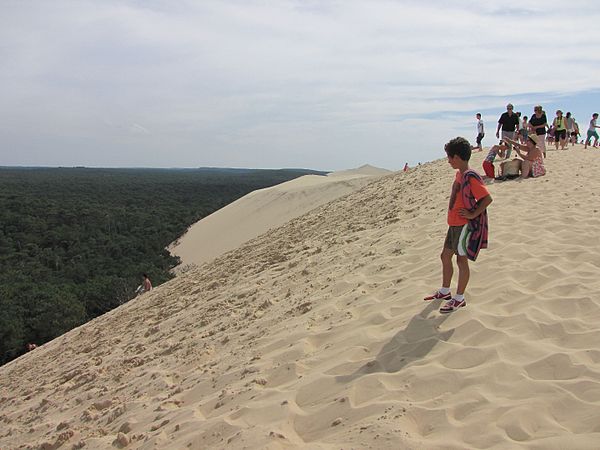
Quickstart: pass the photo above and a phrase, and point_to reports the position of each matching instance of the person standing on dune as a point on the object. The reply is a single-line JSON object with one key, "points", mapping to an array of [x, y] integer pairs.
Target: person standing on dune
{"points": [[592, 133], [538, 125], [480, 133], [467, 224], [509, 122]]}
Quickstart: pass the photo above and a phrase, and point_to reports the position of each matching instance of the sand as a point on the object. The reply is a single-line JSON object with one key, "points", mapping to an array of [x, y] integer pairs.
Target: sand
{"points": [[265, 209], [314, 334]]}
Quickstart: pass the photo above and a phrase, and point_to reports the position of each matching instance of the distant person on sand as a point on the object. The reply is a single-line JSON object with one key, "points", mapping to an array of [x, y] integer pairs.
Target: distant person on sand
{"points": [[467, 224], [405, 168], [30, 347], [518, 132], [146, 285], [509, 122], [537, 125], [524, 131], [570, 120], [591, 132], [480, 132], [575, 133], [550, 135]]}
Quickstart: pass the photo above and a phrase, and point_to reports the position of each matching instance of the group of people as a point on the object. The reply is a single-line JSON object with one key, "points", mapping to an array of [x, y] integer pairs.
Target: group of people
{"points": [[528, 138], [467, 210]]}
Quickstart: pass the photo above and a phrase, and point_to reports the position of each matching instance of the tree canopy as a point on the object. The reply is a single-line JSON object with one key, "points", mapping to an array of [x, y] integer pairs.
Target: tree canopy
{"points": [[75, 241]]}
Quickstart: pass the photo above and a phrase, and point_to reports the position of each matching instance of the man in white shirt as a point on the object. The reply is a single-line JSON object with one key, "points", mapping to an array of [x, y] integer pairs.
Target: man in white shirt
{"points": [[480, 132]]}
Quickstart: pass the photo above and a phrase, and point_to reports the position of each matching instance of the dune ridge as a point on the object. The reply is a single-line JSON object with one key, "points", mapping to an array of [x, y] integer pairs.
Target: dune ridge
{"points": [[264, 209], [314, 334]]}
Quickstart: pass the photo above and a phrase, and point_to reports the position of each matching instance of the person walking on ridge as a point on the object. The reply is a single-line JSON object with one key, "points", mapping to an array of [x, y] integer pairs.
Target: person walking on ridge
{"points": [[480, 132], [538, 124], [560, 130], [591, 132]]}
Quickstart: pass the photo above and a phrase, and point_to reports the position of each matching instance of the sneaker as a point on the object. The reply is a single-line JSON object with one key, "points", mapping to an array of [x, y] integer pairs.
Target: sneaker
{"points": [[438, 296], [452, 305]]}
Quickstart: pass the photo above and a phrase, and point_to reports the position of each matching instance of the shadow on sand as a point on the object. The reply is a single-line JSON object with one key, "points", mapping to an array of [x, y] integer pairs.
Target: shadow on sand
{"points": [[410, 344]]}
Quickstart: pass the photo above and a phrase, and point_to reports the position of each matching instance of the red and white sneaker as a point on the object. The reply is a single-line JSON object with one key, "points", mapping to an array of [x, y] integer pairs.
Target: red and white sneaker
{"points": [[452, 305], [438, 296]]}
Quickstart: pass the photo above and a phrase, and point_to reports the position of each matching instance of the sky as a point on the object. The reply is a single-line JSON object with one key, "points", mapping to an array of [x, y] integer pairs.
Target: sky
{"points": [[325, 85]]}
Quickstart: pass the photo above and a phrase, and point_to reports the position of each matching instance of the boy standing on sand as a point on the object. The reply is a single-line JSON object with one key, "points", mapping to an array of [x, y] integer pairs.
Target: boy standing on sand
{"points": [[467, 224]]}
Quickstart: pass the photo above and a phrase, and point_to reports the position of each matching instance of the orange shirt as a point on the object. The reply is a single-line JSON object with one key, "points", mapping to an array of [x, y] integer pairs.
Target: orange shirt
{"points": [[456, 202]]}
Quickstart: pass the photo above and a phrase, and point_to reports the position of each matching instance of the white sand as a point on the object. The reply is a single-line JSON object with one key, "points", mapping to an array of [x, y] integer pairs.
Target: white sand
{"points": [[314, 335], [264, 209]]}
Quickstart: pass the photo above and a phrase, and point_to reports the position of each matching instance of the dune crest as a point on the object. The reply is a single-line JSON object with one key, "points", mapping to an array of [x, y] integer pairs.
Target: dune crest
{"points": [[314, 334], [263, 209]]}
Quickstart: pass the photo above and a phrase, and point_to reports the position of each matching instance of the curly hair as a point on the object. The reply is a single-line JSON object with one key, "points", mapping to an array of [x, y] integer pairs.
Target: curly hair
{"points": [[458, 146]]}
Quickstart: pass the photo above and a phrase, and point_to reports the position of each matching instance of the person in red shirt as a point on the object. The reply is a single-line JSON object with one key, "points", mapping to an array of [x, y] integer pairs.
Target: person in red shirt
{"points": [[458, 151]]}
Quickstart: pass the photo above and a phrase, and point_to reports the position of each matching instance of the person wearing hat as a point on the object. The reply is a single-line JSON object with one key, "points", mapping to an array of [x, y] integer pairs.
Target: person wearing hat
{"points": [[509, 122], [533, 162]]}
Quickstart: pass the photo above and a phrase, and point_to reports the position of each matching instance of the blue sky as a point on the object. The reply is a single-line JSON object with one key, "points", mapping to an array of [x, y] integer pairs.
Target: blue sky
{"points": [[317, 84]]}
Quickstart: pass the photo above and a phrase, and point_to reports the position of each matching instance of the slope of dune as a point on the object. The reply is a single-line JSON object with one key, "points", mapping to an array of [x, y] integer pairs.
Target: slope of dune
{"points": [[315, 335], [261, 210]]}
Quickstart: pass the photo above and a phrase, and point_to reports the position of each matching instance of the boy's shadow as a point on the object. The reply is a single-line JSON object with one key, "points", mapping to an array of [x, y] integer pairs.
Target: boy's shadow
{"points": [[412, 343]]}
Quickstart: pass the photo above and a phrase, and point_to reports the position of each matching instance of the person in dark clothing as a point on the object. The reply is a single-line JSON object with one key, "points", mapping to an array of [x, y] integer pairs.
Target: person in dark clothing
{"points": [[509, 122], [538, 125]]}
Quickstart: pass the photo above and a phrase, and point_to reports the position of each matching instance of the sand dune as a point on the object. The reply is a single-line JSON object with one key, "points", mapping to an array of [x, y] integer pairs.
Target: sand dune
{"points": [[314, 335], [264, 209]]}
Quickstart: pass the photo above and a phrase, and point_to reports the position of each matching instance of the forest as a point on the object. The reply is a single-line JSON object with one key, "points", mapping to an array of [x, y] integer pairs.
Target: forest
{"points": [[75, 241]]}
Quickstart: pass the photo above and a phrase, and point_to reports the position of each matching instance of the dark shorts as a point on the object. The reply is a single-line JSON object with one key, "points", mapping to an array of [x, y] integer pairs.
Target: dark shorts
{"points": [[573, 133], [479, 138], [560, 134], [452, 238]]}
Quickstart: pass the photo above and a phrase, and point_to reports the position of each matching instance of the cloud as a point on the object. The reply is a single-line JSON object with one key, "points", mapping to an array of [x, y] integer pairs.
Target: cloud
{"points": [[328, 84]]}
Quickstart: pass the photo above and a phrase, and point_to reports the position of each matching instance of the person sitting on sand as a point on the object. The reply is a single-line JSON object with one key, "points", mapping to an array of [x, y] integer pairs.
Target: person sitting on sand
{"points": [[533, 162], [591, 132], [145, 286], [488, 162]]}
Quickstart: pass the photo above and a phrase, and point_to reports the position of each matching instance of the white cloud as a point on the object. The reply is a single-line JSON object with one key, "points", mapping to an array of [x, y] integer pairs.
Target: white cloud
{"points": [[266, 84]]}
